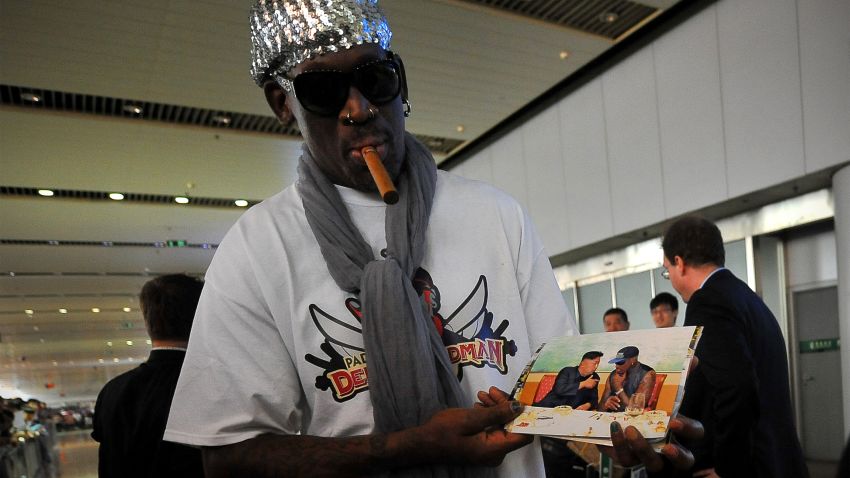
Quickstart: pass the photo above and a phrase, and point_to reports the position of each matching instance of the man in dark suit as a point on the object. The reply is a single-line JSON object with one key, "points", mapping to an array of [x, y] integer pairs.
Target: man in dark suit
{"points": [[132, 408], [740, 388]]}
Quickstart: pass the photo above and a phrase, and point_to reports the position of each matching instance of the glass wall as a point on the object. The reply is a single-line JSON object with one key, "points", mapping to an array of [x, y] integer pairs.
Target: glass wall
{"points": [[593, 301], [633, 292]]}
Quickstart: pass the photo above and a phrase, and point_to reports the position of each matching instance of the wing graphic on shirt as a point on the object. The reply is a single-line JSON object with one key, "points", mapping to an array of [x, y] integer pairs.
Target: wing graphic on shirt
{"points": [[471, 310], [336, 331]]}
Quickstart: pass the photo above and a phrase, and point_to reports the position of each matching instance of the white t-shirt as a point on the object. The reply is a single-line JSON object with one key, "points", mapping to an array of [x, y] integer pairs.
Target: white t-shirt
{"points": [[276, 348]]}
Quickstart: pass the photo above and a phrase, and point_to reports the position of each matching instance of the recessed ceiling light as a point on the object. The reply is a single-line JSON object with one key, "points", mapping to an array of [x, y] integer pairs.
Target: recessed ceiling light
{"points": [[29, 311], [116, 196], [129, 342], [129, 359], [115, 360], [95, 310], [63, 311], [221, 119], [135, 109], [564, 54], [241, 202], [460, 128], [31, 97], [181, 200], [11, 274], [127, 309], [100, 360], [45, 192], [608, 17], [109, 344], [148, 341]]}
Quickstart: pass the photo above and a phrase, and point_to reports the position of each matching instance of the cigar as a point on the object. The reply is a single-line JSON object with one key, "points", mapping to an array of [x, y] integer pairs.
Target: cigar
{"points": [[379, 174]]}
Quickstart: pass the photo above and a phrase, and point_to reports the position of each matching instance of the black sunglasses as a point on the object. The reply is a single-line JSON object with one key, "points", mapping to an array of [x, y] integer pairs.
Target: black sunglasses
{"points": [[324, 92]]}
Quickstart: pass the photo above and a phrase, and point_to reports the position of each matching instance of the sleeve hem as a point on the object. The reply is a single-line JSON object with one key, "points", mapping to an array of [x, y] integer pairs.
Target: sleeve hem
{"points": [[208, 440]]}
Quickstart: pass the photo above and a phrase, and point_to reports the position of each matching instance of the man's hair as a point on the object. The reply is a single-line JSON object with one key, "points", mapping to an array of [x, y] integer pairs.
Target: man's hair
{"points": [[664, 298], [696, 240], [617, 310], [168, 306], [593, 354]]}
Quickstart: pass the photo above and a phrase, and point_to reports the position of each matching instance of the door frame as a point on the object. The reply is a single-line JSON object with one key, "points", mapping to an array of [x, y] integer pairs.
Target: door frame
{"points": [[794, 354]]}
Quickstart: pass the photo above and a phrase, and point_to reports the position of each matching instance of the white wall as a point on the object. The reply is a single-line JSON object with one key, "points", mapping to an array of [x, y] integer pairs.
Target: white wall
{"points": [[742, 96], [811, 259]]}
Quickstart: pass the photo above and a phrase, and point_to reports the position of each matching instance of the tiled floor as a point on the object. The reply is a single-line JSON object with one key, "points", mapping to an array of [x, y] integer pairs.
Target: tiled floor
{"points": [[823, 469], [78, 458], [77, 455]]}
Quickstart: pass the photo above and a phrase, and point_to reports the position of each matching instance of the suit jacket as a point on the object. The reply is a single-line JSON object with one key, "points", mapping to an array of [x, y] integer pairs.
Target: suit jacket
{"points": [[740, 388], [129, 421], [566, 391]]}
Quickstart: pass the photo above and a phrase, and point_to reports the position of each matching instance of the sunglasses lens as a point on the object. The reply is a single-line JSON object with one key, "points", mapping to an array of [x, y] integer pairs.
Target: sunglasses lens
{"points": [[325, 92], [378, 82], [322, 92]]}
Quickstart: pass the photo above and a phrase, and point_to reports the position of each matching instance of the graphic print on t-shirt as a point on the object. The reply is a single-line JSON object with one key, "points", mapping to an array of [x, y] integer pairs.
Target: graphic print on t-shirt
{"points": [[467, 333]]}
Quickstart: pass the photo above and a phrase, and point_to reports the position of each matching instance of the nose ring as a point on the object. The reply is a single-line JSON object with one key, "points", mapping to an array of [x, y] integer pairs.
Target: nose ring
{"points": [[349, 121]]}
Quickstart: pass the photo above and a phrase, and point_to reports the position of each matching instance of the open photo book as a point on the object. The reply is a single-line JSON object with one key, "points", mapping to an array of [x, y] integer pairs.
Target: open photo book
{"points": [[575, 386]]}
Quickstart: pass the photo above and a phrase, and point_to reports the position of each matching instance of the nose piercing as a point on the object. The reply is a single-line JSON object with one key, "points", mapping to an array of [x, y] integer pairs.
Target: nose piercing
{"points": [[349, 121]]}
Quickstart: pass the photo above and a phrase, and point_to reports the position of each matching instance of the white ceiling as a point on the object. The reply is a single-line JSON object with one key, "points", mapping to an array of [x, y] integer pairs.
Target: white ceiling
{"points": [[466, 65]]}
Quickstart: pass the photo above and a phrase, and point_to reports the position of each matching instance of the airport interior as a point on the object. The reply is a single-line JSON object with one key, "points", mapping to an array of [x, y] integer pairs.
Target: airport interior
{"points": [[132, 138]]}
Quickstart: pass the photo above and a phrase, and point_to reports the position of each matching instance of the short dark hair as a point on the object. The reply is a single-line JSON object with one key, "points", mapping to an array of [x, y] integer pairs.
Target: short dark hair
{"points": [[168, 306], [591, 355], [617, 310], [696, 240], [664, 298]]}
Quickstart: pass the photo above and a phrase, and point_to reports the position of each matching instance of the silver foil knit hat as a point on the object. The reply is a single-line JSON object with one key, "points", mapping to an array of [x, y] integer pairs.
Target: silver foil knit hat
{"points": [[286, 32]]}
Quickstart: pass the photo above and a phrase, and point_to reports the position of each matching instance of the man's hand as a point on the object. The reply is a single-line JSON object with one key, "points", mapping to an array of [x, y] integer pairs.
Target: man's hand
{"points": [[588, 383], [473, 436], [707, 473], [631, 448], [613, 403]]}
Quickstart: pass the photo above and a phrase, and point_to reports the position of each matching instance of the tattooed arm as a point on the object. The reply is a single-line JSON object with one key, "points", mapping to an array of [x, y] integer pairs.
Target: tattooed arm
{"points": [[453, 436]]}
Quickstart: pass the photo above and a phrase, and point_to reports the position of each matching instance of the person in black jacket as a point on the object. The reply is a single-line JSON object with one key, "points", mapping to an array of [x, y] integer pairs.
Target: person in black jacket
{"points": [[740, 389], [576, 386], [132, 408]]}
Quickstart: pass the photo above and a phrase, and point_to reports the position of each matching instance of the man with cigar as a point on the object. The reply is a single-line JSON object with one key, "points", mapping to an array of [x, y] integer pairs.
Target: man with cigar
{"points": [[313, 351], [740, 388], [629, 377]]}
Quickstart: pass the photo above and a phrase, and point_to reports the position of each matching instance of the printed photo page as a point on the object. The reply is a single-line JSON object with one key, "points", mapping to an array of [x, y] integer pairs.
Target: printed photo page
{"points": [[575, 386]]}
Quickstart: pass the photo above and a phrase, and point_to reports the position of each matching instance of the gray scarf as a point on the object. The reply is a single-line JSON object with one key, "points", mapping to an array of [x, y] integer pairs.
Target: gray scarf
{"points": [[410, 374]]}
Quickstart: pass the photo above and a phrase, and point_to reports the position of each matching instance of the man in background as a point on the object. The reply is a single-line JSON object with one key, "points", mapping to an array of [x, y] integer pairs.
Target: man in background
{"points": [[664, 308], [615, 320], [132, 408], [740, 388]]}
